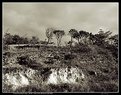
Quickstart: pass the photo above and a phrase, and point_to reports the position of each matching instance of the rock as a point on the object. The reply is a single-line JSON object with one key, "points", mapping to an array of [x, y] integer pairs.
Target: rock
{"points": [[64, 75], [21, 78]]}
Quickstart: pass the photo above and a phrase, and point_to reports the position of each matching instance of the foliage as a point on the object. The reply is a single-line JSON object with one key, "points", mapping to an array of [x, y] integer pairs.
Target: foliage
{"points": [[34, 40], [59, 34], [69, 56], [113, 49], [49, 34], [26, 61], [114, 40], [97, 60], [7, 39], [14, 39], [92, 38], [74, 34], [101, 37], [83, 36], [81, 48], [23, 60], [83, 33], [78, 35]]}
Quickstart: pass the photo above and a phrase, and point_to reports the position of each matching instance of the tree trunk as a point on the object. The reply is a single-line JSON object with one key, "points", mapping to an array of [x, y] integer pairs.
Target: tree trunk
{"points": [[48, 41], [57, 42], [71, 41]]}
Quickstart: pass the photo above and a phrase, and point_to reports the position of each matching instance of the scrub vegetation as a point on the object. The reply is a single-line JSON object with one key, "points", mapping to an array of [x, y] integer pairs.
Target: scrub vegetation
{"points": [[90, 65]]}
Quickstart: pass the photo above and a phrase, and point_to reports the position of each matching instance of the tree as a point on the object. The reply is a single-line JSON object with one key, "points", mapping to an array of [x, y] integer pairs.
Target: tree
{"points": [[58, 34], [101, 31], [24, 40], [113, 46], [76, 36], [73, 33], [101, 37], [92, 38], [16, 39], [83, 35], [8, 39], [114, 40], [34, 40], [49, 34]]}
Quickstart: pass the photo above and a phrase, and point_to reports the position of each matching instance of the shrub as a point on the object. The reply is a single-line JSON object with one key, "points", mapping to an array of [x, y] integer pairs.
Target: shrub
{"points": [[102, 51], [109, 87], [26, 61], [6, 54], [29, 89], [113, 49], [23, 60], [49, 61], [69, 56], [5, 47], [81, 48]]}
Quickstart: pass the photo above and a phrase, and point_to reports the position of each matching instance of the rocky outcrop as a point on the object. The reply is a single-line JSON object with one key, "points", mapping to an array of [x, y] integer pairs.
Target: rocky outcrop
{"points": [[65, 75], [28, 77]]}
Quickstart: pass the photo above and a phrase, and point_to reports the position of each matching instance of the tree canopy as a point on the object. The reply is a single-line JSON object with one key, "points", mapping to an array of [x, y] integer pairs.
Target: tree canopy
{"points": [[59, 34]]}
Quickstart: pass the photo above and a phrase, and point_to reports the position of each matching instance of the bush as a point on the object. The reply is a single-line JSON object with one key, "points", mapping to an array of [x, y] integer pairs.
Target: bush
{"points": [[23, 60], [113, 49], [29, 89], [5, 47], [109, 87], [101, 50], [81, 48], [49, 61], [69, 56], [6, 54], [26, 61]]}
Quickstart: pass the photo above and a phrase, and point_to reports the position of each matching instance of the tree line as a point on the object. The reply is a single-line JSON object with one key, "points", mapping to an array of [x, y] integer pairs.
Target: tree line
{"points": [[16, 39], [101, 38]]}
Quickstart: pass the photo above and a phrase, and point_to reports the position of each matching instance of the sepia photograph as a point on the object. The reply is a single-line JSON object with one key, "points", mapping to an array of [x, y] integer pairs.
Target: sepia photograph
{"points": [[51, 47]]}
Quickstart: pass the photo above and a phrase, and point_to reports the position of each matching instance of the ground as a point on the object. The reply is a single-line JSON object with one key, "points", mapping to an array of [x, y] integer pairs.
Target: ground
{"points": [[35, 70]]}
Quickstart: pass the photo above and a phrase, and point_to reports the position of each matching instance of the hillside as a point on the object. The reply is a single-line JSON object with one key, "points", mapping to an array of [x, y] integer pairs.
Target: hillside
{"points": [[85, 68]]}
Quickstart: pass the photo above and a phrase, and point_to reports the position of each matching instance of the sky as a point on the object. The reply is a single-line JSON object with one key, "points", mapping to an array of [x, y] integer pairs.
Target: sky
{"points": [[32, 19]]}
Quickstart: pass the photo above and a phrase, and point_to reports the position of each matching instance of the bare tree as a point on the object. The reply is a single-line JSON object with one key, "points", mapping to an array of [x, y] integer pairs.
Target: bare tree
{"points": [[59, 34], [49, 34]]}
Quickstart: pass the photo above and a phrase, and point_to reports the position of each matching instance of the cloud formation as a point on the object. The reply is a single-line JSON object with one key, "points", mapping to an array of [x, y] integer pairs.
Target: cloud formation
{"points": [[35, 18]]}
